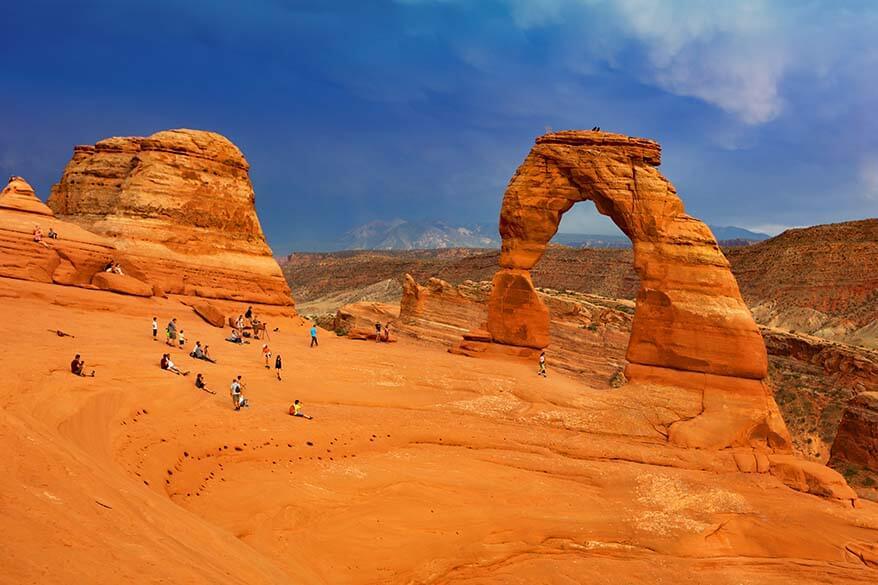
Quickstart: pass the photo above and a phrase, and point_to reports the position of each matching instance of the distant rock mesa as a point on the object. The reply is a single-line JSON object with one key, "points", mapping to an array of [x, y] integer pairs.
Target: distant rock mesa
{"points": [[180, 205]]}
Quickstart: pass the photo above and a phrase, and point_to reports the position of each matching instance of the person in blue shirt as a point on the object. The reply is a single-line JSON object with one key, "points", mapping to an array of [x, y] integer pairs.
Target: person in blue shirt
{"points": [[314, 336]]}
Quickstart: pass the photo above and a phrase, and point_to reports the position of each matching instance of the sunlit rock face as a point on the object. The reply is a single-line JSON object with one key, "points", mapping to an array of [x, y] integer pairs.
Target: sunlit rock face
{"points": [[181, 204]]}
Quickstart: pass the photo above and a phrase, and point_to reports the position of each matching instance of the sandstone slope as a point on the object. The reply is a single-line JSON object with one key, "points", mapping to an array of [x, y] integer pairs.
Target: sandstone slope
{"points": [[419, 466]]}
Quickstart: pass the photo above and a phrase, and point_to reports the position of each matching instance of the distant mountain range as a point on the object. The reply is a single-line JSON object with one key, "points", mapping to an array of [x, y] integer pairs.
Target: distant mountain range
{"points": [[400, 234]]}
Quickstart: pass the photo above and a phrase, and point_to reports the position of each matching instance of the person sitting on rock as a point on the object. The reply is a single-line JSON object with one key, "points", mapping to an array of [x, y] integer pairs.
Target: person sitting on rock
{"points": [[198, 353], [38, 237], [239, 324], [237, 392], [201, 385], [108, 267], [77, 366], [235, 337], [52, 234], [296, 410], [167, 364], [248, 314], [207, 355], [377, 331], [117, 268]]}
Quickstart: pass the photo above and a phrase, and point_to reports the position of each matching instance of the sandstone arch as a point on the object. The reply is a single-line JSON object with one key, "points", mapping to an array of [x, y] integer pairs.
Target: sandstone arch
{"points": [[689, 316]]}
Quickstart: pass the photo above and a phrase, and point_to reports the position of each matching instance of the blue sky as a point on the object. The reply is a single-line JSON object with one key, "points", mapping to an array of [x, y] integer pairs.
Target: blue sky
{"points": [[350, 111]]}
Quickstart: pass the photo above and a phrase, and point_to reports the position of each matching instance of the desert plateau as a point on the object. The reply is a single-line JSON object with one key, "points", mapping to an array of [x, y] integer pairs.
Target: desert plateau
{"points": [[364, 294]]}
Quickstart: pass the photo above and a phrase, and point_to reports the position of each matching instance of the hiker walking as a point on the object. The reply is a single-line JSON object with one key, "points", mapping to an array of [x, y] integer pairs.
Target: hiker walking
{"points": [[314, 336], [278, 365]]}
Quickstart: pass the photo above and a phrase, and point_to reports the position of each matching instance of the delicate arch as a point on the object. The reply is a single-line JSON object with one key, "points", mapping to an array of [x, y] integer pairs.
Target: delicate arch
{"points": [[689, 315]]}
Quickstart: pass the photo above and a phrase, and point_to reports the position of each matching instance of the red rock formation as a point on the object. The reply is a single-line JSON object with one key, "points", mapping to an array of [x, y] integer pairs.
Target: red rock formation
{"points": [[439, 311], [857, 438], [18, 195], [75, 258], [588, 334], [690, 315], [180, 203], [690, 318], [820, 280]]}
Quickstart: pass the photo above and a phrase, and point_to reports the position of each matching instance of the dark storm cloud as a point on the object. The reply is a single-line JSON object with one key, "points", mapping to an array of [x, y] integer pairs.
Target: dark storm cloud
{"points": [[351, 111]]}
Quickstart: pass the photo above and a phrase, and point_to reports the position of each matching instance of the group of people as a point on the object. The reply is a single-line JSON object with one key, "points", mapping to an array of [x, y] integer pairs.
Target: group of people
{"points": [[172, 337], [175, 337], [38, 235], [278, 361], [382, 332], [113, 266], [244, 325]]}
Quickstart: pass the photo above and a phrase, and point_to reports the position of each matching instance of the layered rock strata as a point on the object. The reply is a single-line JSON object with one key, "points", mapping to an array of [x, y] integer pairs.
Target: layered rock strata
{"points": [[180, 204], [691, 326], [855, 449], [76, 257]]}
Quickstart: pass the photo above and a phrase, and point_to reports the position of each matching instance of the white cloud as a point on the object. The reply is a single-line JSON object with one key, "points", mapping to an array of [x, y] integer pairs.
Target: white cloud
{"points": [[772, 229], [733, 55], [726, 54]]}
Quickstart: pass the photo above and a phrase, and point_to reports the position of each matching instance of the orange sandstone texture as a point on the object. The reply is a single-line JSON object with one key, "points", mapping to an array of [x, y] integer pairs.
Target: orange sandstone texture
{"points": [[689, 317], [857, 439], [18, 195], [181, 205], [75, 258]]}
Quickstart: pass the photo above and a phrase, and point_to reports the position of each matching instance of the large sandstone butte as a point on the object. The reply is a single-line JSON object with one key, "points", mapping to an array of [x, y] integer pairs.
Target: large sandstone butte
{"points": [[691, 326], [180, 204]]}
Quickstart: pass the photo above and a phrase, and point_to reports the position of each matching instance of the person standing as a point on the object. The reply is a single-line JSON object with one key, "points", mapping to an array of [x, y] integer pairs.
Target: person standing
{"points": [[542, 371], [266, 355], [314, 336], [171, 331], [155, 328], [278, 365], [377, 331]]}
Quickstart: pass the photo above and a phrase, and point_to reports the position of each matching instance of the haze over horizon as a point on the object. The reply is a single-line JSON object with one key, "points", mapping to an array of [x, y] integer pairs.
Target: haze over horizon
{"points": [[356, 111]]}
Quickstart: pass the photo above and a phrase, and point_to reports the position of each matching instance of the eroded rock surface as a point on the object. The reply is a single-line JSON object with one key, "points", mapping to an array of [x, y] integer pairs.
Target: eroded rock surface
{"points": [[690, 317], [821, 280], [18, 195], [72, 259], [181, 205]]}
